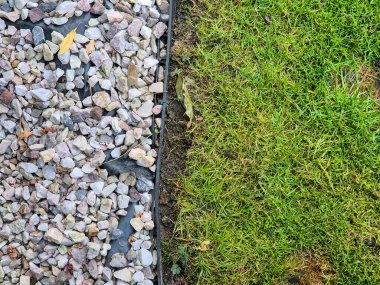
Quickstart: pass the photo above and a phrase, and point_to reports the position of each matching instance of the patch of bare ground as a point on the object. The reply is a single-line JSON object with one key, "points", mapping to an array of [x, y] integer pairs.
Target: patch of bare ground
{"points": [[177, 142], [310, 269], [367, 80]]}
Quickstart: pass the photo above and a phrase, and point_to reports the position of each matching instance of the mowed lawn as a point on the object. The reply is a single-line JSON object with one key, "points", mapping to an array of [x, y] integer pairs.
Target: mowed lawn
{"points": [[283, 175]]}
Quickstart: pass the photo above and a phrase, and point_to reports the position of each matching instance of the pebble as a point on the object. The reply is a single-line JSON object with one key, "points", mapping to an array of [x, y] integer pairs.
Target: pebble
{"points": [[65, 7], [61, 205], [123, 275], [93, 33], [76, 173], [146, 257], [41, 94], [146, 109], [6, 97], [137, 224], [159, 29], [17, 226], [67, 163], [54, 235], [47, 155], [101, 99], [36, 15], [118, 260], [29, 167], [38, 35], [48, 172], [157, 87], [123, 201], [134, 27]]}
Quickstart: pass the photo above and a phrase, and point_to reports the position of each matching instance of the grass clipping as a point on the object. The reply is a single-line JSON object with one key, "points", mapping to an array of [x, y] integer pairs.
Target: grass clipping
{"points": [[183, 95]]}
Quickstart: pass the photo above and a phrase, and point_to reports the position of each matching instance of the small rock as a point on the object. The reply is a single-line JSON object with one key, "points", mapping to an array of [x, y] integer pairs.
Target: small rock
{"points": [[106, 205], [93, 33], [81, 143], [54, 235], [75, 62], [92, 268], [47, 7], [76, 173], [48, 172], [93, 250], [146, 109], [96, 113], [77, 236], [118, 260], [114, 16], [157, 87], [17, 226], [41, 94], [101, 99], [28, 167], [47, 155], [65, 7], [134, 27], [36, 14], [123, 201], [137, 224], [67, 163], [6, 97], [20, 3], [38, 35], [24, 280], [123, 275], [84, 5], [136, 153], [159, 29], [146, 257]]}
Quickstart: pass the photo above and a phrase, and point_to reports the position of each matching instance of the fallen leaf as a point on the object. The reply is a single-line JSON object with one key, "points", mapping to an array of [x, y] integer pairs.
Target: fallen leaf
{"points": [[204, 245], [67, 41], [90, 47], [48, 130], [24, 135], [184, 96]]}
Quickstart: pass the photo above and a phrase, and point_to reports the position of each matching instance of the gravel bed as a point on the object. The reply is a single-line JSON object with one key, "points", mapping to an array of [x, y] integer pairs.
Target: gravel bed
{"points": [[77, 154]]}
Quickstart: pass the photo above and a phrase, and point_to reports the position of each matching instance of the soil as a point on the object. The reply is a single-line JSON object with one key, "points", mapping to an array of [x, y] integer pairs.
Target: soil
{"points": [[312, 269], [176, 143]]}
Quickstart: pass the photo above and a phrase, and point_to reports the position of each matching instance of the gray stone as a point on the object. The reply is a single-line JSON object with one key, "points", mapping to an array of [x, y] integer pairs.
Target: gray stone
{"points": [[118, 261], [17, 226], [29, 167], [93, 33], [76, 173], [123, 275], [146, 258], [134, 27], [146, 109], [67, 163], [65, 7], [38, 35], [48, 172], [123, 201], [93, 250], [41, 94]]}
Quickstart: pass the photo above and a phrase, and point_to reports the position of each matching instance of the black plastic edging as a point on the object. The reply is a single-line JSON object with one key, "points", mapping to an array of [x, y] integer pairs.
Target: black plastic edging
{"points": [[156, 192]]}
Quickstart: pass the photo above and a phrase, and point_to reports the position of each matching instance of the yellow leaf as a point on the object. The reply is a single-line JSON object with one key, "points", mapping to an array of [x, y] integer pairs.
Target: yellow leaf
{"points": [[67, 41], [204, 245]]}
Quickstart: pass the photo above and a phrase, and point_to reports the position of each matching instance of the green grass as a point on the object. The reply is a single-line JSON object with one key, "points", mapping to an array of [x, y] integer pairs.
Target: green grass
{"points": [[286, 160]]}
